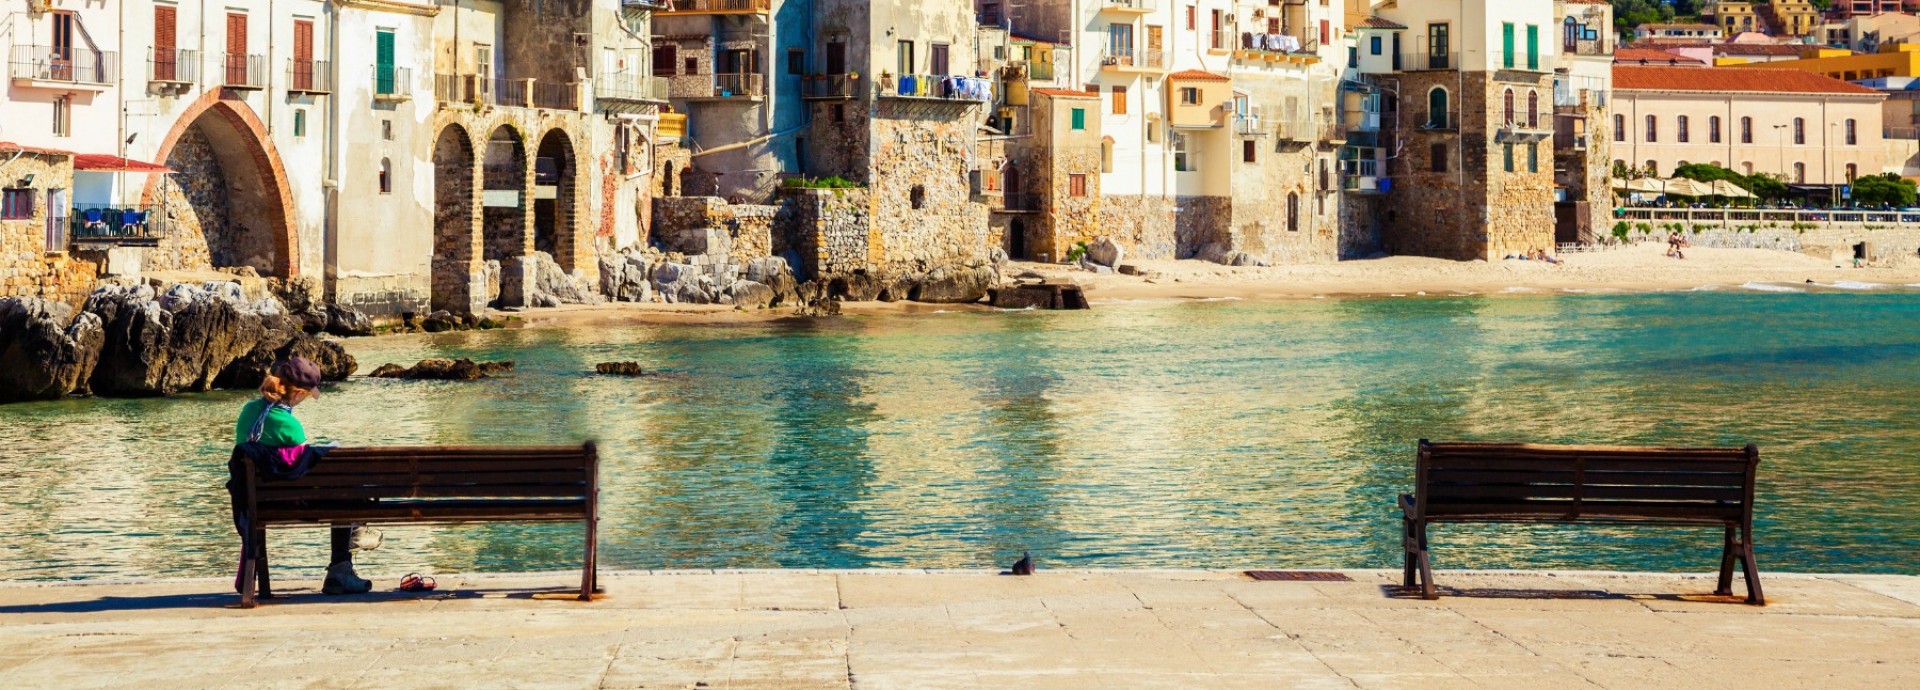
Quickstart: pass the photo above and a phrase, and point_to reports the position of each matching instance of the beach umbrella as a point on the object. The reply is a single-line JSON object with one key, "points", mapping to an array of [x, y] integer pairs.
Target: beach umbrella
{"points": [[1730, 190], [1686, 187], [1646, 184]]}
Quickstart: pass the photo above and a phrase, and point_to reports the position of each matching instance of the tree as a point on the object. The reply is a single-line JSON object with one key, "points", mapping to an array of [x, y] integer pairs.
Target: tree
{"points": [[1766, 186], [1884, 189]]}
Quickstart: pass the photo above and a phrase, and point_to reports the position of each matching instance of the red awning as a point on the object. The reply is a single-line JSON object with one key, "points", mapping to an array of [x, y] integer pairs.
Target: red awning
{"points": [[101, 162]]}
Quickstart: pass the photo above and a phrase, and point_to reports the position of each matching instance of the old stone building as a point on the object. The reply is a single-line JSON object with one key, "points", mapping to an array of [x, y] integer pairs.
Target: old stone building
{"points": [[1582, 122], [734, 68]]}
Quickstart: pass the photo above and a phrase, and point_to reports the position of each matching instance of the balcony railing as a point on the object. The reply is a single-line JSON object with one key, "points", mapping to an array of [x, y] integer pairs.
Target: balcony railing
{"points": [[1040, 71], [934, 87], [718, 6], [1142, 6], [243, 71], [1435, 119], [630, 87], [173, 66], [1020, 201], [1282, 43], [117, 223], [645, 5], [1521, 62], [510, 93], [309, 76], [739, 85], [392, 82], [1424, 60], [1144, 59], [1331, 131], [1293, 130], [829, 86], [69, 65], [1252, 127], [549, 95]]}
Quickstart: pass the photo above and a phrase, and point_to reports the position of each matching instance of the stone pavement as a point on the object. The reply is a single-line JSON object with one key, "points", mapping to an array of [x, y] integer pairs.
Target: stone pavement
{"points": [[927, 630]]}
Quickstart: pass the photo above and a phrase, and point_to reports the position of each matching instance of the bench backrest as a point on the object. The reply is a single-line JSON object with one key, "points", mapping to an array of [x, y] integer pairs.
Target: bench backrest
{"points": [[1570, 482], [449, 472]]}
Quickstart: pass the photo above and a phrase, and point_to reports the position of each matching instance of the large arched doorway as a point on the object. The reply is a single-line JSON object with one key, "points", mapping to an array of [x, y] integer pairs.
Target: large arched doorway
{"points": [[554, 199], [455, 244], [503, 225], [232, 190]]}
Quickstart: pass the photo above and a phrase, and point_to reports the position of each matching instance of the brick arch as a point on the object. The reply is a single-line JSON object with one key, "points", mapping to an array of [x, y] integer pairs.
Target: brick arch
{"points": [[556, 224], [236, 114]]}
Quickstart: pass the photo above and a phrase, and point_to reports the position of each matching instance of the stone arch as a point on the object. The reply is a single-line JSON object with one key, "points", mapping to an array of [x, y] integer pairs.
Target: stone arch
{"points": [[505, 218], [233, 184], [459, 283], [556, 199]]}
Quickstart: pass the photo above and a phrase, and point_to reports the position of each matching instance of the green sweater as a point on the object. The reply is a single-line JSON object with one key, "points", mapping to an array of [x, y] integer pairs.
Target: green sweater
{"points": [[280, 431]]}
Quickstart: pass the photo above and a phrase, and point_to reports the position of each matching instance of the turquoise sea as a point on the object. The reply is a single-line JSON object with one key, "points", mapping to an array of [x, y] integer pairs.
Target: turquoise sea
{"points": [[1221, 434]]}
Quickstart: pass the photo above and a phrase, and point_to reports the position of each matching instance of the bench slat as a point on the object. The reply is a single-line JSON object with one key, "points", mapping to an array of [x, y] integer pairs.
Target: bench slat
{"points": [[413, 451], [426, 491], [1711, 479], [1645, 508], [1591, 465], [404, 478], [329, 466], [427, 511], [1442, 492]]}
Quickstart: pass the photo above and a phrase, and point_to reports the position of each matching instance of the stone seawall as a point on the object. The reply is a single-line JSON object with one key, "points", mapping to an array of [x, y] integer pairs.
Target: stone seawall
{"points": [[1833, 241]]}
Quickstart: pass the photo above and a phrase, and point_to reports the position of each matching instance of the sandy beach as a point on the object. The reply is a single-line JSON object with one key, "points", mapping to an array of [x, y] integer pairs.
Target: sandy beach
{"points": [[1636, 268]]}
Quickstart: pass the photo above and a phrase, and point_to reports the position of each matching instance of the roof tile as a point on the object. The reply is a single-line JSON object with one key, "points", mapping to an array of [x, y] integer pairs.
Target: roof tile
{"points": [[1734, 79], [1197, 75]]}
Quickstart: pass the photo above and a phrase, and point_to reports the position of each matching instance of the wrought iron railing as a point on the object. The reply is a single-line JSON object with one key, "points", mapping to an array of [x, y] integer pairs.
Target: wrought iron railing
{"points": [[1130, 5], [240, 71], [697, 6], [1148, 59], [831, 86], [116, 222], [64, 64], [738, 85], [309, 76], [556, 96], [630, 87], [392, 80], [175, 66], [1431, 60], [934, 86]]}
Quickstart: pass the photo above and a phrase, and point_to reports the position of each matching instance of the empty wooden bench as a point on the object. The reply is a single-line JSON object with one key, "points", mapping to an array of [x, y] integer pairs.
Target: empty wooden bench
{"points": [[428, 486], [1526, 483]]}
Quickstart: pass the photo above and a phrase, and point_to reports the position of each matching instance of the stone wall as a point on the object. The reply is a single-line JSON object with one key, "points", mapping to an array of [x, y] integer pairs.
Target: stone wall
{"points": [[1200, 222], [1475, 210], [670, 165], [828, 228], [1830, 241], [1142, 224], [709, 225], [924, 214], [1360, 221], [837, 139], [222, 204], [28, 267]]}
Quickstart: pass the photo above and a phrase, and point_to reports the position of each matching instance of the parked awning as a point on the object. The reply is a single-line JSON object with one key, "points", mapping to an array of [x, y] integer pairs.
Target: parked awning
{"points": [[100, 162]]}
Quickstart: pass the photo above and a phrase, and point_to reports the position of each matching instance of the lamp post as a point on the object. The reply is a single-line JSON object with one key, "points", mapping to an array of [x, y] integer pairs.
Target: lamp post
{"points": [[1780, 141]]}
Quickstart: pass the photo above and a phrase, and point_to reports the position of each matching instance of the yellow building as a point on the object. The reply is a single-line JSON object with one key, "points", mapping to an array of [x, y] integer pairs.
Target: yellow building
{"points": [[1732, 17], [1791, 17], [1902, 60]]}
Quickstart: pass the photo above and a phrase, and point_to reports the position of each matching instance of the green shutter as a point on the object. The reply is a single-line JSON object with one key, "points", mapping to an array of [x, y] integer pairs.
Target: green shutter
{"points": [[1506, 41], [383, 62], [1533, 46], [1079, 118]]}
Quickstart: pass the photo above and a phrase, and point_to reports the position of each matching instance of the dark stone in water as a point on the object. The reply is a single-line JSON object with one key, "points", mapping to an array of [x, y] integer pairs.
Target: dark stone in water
{"points": [[1041, 296], [619, 368], [441, 369]]}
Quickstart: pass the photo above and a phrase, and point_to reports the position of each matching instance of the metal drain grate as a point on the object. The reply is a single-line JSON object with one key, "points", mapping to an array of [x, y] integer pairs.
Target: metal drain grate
{"points": [[1298, 576]]}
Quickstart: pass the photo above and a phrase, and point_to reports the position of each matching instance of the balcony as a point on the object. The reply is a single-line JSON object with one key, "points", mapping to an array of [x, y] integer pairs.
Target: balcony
{"points": [[934, 87], [692, 7], [1129, 6], [1132, 62], [1277, 47], [117, 224], [1521, 131], [1020, 201], [739, 85], [1425, 60], [1521, 62], [1362, 177], [243, 72], [392, 84], [63, 67], [1249, 126], [551, 95], [173, 67], [477, 91], [624, 90], [826, 87], [644, 5], [309, 76], [1331, 132], [1433, 120], [672, 126]]}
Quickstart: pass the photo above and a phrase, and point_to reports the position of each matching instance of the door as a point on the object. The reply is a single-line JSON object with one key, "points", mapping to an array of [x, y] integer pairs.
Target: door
{"points": [[904, 54], [1438, 47], [1120, 43], [303, 54], [836, 56], [236, 61], [383, 72], [57, 220], [938, 56], [60, 57], [165, 57]]}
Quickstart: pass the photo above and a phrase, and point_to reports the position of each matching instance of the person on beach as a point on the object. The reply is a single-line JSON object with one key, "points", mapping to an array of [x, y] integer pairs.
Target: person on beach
{"points": [[267, 425]]}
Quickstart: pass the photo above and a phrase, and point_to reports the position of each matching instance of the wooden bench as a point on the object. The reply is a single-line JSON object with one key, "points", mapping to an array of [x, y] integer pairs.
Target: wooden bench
{"points": [[428, 485], [1525, 483]]}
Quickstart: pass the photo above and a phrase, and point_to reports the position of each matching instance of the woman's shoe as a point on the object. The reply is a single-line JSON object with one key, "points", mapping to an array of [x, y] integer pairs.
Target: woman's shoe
{"points": [[342, 580]]}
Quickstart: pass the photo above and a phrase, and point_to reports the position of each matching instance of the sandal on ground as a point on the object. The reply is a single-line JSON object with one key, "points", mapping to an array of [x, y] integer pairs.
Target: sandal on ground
{"points": [[414, 582]]}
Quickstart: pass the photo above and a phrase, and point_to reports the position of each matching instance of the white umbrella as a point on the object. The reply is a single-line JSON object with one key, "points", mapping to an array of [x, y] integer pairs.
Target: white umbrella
{"points": [[1730, 190], [1687, 187]]}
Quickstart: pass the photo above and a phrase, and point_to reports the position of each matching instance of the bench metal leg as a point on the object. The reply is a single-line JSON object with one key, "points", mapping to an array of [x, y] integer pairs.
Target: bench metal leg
{"points": [[1410, 555], [260, 547], [1729, 551], [1417, 559], [1752, 571], [589, 578], [247, 580]]}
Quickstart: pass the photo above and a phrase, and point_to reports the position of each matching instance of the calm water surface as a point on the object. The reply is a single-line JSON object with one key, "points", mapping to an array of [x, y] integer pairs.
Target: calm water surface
{"points": [[1145, 435]]}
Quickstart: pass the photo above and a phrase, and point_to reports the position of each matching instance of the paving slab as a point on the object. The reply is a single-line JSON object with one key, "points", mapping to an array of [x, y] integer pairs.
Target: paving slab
{"points": [[864, 630]]}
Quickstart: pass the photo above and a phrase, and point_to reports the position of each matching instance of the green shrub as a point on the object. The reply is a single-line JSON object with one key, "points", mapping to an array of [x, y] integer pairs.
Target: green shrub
{"points": [[1079, 250], [833, 182]]}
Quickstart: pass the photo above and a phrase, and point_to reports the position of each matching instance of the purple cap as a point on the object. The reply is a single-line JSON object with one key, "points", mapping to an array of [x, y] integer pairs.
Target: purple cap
{"points": [[298, 371]]}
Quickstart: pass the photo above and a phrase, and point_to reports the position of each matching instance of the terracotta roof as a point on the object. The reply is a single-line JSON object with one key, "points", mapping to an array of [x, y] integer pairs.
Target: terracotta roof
{"points": [[1063, 93], [1197, 75], [107, 162], [8, 148], [1651, 56], [1737, 79], [1755, 49], [1380, 23]]}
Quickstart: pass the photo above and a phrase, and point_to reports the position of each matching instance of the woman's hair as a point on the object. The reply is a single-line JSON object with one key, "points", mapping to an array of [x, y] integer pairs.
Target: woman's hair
{"points": [[273, 388]]}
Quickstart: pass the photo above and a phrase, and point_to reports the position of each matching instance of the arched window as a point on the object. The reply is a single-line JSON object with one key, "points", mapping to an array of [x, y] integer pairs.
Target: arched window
{"points": [[386, 176], [1853, 135], [1713, 129], [1653, 167], [918, 196], [1852, 171], [1680, 128], [1746, 130], [1746, 168], [1800, 130], [1619, 127], [1572, 35], [1437, 108], [1653, 129], [1533, 109], [1509, 102], [1293, 212], [1800, 173]]}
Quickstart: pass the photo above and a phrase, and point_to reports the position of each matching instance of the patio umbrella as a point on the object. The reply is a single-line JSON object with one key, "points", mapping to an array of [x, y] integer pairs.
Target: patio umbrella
{"points": [[1730, 190], [1646, 185], [1686, 187]]}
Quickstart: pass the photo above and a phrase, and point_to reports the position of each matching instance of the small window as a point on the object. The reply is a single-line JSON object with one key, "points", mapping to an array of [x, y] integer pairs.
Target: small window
{"points": [[839, 112], [1800, 130], [16, 204], [1373, 46], [1746, 130], [1619, 127], [63, 116], [386, 130], [386, 176], [299, 122], [1189, 95], [1106, 156], [1853, 135], [1653, 129], [1437, 158], [1153, 133], [1293, 212], [1077, 184], [665, 58], [1533, 157], [1119, 100], [1079, 119], [1852, 170], [1800, 173], [693, 66], [918, 196], [796, 61], [1681, 130], [1713, 129], [1326, 177], [1507, 148], [1182, 160], [1247, 151], [939, 57]]}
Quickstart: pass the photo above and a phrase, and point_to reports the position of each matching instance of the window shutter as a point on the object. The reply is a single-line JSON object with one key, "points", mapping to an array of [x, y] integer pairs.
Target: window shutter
{"points": [[1506, 45], [236, 34], [383, 62], [302, 41], [1533, 46], [163, 29]]}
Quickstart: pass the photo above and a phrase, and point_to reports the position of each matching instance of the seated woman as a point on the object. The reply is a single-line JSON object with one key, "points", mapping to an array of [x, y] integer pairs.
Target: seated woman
{"points": [[268, 421]]}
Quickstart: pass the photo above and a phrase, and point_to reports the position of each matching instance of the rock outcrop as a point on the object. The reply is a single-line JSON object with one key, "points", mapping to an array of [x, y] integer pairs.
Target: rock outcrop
{"points": [[619, 369], [1105, 252], [955, 284], [553, 287], [442, 369], [45, 352]]}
